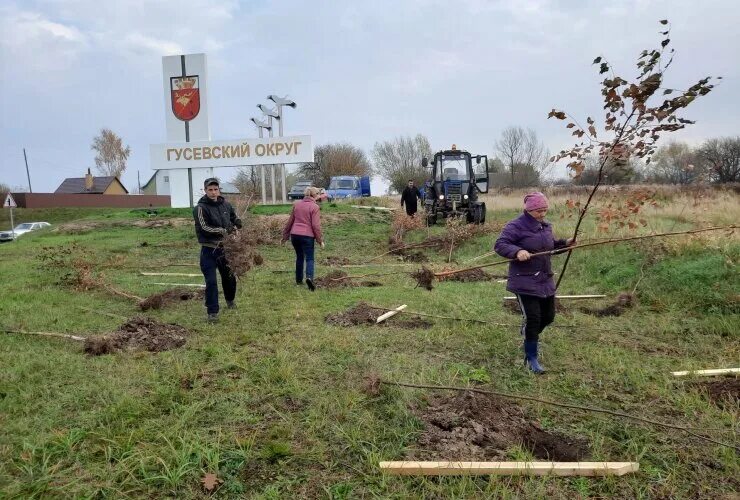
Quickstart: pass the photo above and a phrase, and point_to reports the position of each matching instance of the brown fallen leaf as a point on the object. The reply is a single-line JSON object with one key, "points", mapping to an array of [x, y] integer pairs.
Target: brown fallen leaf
{"points": [[210, 481]]}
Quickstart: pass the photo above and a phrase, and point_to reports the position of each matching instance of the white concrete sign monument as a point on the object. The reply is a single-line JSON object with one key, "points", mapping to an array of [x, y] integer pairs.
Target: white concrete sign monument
{"points": [[189, 156]]}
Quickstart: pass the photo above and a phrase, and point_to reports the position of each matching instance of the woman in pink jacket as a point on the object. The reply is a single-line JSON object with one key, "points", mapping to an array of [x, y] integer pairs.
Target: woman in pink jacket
{"points": [[304, 229]]}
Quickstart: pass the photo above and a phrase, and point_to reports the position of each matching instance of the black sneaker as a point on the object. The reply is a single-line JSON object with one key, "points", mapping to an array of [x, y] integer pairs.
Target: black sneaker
{"points": [[299, 283], [310, 285], [212, 318], [230, 305]]}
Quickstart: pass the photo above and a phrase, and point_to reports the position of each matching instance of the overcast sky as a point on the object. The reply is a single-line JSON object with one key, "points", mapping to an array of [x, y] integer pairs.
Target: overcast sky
{"points": [[458, 72]]}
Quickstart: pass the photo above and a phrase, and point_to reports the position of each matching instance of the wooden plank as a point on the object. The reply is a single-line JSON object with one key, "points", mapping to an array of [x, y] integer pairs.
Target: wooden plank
{"points": [[715, 371], [510, 468], [180, 284], [569, 297], [189, 275], [390, 314], [382, 209]]}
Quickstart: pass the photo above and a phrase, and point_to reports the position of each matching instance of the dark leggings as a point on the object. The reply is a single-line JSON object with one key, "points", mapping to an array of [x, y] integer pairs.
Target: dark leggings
{"points": [[537, 313]]}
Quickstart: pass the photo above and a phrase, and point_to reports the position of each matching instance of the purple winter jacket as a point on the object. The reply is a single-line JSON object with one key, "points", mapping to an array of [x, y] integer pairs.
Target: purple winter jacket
{"points": [[534, 276]]}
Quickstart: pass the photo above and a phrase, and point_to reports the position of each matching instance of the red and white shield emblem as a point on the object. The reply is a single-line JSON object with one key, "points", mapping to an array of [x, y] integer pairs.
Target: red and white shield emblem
{"points": [[185, 97]]}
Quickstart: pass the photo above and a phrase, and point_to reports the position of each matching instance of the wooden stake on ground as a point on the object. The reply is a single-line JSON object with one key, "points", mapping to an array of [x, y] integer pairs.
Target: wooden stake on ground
{"points": [[715, 371], [510, 468], [47, 334], [189, 275], [382, 209], [390, 314], [569, 297]]}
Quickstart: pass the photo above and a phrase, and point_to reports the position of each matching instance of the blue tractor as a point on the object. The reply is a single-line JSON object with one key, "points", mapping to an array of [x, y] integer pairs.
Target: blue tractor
{"points": [[455, 183]]}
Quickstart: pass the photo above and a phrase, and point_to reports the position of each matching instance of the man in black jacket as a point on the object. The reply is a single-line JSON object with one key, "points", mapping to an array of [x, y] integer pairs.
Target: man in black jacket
{"points": [[409, 196], [215, 218]]}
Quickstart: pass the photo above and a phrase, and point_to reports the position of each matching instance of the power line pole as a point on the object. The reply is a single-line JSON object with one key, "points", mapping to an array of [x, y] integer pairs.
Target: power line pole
{"points": [[138, 179], [25, 158]]}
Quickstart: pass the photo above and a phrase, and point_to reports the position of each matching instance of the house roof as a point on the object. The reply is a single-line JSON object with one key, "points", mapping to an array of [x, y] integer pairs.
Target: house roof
{"points": [[76, 185]]}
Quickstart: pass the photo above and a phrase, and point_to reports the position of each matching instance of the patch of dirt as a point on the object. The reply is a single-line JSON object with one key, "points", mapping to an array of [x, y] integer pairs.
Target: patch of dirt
{"points": [[415, 257], [471, 276], [174, 295], [469, 426], [81, 227], [624, 301], [364, 314], [333, 260], [724, 392], [340, 279], [138, 334]]}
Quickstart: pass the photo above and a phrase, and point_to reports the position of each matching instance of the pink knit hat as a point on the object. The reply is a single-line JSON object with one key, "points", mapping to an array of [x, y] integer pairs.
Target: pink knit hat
{"points": [[535, 201]]}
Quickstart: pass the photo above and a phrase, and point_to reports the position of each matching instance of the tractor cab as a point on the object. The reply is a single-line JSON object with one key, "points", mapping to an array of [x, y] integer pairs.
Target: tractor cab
{"points": [[457, 178]]}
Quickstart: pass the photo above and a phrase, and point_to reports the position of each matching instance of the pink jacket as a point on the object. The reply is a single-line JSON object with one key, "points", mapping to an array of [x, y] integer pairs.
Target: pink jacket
{"points": [[304, 220]]}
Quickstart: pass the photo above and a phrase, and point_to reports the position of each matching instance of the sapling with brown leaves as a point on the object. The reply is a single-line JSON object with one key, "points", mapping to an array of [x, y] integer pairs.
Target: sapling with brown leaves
{"points": [[637, 114]]}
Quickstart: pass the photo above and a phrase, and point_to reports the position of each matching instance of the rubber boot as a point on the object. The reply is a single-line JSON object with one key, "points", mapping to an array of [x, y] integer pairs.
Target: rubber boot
{"points": [[530, 358]]}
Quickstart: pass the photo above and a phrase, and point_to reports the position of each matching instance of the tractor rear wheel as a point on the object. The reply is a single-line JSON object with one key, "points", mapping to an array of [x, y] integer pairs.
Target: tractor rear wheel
{"points": [[482, 219]]}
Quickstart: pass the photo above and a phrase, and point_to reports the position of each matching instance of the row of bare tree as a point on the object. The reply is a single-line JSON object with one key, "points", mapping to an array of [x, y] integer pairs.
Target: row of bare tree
{"points": [[714, 161]]}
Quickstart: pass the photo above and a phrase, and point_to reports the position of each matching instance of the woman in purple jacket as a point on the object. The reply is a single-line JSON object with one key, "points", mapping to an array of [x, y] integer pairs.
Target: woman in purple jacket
{"points": [[304, 229], [530, 278]]}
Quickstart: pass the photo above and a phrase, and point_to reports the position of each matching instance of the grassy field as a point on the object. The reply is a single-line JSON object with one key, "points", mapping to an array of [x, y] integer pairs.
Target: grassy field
{"points": [[272, 399]]}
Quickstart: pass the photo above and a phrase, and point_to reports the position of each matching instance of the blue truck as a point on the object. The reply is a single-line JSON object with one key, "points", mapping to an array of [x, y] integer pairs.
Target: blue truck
{"points": [[348, 186]]}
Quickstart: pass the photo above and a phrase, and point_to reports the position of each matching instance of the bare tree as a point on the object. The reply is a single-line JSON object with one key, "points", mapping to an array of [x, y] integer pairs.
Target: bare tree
{"points": [[111, 156], [399, 160], [518, 146], [4, 188], [722, 158], [676, 163], [332, 160]]}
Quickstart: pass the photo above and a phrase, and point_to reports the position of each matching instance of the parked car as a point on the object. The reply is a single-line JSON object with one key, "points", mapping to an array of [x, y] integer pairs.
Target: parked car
{"points": [[296, 192], [20, 229]]}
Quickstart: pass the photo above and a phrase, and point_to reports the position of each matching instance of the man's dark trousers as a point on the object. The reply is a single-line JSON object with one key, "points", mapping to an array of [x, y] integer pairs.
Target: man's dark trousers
{"points": [[210, 260]]}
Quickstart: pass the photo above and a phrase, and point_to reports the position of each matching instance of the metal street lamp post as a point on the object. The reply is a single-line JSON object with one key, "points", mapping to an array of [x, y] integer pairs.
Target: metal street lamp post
{"points": [[279, 103], [260, 126], [270, 113]]}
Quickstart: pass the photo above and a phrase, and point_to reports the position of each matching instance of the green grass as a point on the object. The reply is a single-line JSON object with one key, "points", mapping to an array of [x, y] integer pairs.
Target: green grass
{"points": [[271, 398]]}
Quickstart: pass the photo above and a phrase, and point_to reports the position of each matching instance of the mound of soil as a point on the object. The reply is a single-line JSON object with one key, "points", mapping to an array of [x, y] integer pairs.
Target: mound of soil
{"points": [[335, 279], [364, 314], [477, 427], [624, 301], [470, 276], [340, 279], [138, 334], [333, 260], [724, 392], [163, 299]]}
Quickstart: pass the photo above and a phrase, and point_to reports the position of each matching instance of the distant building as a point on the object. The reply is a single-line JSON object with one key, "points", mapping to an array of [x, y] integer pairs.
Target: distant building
{"points": [[91, 185], [159, 183]]}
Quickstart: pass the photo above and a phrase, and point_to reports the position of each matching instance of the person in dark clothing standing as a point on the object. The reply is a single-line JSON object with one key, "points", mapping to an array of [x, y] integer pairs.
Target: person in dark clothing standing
{"points": [[214, 219], [409, 196], [530, 278]]}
